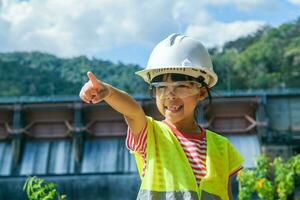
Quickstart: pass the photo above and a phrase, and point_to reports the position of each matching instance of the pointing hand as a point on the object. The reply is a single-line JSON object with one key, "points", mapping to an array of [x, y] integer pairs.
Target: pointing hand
{"points": [[94, 90]]}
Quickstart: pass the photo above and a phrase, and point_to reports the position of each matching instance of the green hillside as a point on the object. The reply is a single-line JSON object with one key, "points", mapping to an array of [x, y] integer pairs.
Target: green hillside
{"points": [[269, 58], [36, 74]]}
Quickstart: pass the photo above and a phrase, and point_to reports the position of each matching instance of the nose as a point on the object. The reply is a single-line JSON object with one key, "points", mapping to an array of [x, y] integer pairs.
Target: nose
{"points": [[170, 94]]}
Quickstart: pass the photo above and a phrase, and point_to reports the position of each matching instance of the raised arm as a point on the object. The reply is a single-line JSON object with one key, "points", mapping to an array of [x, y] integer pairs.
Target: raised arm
{"points": [[95, 91]]}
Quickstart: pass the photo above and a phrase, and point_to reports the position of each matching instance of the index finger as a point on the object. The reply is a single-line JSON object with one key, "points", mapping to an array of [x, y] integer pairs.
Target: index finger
{"points": [[93, 78]]}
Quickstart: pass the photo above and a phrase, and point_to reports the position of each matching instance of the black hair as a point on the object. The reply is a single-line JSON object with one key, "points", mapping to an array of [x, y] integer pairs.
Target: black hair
{"points": [[183, 77]]}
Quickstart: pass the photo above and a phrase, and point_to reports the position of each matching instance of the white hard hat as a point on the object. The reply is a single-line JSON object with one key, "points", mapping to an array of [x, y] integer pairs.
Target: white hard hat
{"points": [[180, 54]]}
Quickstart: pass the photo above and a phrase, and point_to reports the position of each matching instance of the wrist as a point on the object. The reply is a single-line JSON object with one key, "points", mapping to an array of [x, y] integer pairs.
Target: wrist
{"points": [[109, 91]]}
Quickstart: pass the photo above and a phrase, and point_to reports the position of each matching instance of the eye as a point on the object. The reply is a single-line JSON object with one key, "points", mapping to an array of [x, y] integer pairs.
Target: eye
{"points": [[183, 86], [161, 87]]}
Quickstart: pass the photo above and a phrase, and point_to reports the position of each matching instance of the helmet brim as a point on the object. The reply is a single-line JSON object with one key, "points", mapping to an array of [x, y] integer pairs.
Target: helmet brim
{"points": [[210, 78]]}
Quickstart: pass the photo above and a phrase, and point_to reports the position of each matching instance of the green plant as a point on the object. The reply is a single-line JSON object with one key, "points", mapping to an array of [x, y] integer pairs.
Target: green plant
{"points": [[269, 180], [284, 178], [247, 183], [38, 189]]}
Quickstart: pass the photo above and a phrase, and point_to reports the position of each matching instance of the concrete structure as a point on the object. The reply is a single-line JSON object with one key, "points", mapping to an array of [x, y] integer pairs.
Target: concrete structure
{"points": [[81, 147]]}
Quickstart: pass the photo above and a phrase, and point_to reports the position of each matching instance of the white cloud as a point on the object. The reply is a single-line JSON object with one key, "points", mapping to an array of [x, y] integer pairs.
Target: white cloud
{"points": [[75, 27], [211, 32], [296, 2], [217, 33]]}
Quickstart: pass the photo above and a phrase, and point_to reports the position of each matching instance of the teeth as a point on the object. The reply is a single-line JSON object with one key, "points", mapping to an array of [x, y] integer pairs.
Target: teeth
{"points": [[174, 108]]}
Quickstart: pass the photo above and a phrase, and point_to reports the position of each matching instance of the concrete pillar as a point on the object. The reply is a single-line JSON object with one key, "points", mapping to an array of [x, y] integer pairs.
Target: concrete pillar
{"points": [[77, 133], [262, 120], [17, 138]]}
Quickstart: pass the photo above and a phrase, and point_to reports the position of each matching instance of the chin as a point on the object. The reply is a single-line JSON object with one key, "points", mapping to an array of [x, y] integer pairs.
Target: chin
{"points": [[173, 120]]}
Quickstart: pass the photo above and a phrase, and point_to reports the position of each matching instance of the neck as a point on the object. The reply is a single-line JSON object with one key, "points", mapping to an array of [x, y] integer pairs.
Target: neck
{"points": [[190, 127]]}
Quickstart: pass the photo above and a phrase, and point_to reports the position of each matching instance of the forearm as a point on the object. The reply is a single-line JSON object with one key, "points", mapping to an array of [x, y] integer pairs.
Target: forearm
{"points": [[123, 103], [95, 91]]}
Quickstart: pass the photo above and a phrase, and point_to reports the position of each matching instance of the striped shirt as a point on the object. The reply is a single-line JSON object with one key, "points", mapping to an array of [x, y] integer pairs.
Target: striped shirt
{"points": [[194, 146]]}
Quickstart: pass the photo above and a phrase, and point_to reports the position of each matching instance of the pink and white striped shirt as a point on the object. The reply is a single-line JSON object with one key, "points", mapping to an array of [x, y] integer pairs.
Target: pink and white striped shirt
{"points": [[194, 146]]}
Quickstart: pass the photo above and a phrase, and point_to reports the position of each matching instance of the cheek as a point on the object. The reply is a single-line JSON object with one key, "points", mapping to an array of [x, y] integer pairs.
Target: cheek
{"points": [[190, 104], [159, 105]]}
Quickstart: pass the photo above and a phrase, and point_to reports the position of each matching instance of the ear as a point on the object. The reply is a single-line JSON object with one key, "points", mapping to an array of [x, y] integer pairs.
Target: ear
{"points": [[202, 93]]}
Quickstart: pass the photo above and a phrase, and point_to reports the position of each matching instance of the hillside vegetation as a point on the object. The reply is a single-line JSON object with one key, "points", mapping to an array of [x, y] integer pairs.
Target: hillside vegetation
{"points": [[269, 58]]}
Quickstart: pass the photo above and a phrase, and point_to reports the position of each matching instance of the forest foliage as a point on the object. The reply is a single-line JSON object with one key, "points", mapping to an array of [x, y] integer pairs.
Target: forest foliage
{"points": [[266, 59]]}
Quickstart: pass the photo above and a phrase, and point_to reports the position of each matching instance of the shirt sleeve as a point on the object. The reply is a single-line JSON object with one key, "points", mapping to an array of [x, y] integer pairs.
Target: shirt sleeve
{"points": [[236, 160], [137, 143]]}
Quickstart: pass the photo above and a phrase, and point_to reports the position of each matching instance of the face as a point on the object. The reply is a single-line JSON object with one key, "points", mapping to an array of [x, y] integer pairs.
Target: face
{"points": [[179, 109]]}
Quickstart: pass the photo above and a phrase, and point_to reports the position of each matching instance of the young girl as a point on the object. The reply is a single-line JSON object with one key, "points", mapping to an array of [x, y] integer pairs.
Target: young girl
{"points": [[177, 159]]}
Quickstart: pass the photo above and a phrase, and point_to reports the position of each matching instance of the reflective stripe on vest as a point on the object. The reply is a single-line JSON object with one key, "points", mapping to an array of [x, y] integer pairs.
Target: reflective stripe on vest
{"points": [[174, 195], [169, 175], [186, 195]]}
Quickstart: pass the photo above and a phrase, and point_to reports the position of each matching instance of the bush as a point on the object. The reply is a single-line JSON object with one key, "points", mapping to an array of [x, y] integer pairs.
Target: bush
{"points": [[270, 180], [38, 189]]}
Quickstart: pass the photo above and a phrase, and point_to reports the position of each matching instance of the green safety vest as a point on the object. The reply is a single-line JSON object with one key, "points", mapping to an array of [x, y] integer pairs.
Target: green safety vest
{"points": [[168, 174]]}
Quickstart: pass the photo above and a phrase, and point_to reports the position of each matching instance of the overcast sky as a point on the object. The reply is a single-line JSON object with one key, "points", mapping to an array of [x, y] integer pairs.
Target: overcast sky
{"points": [[127, 30]]}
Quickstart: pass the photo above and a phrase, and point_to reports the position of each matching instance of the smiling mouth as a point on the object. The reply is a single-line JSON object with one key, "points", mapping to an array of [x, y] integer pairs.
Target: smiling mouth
{"points": [[174, 109]]}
